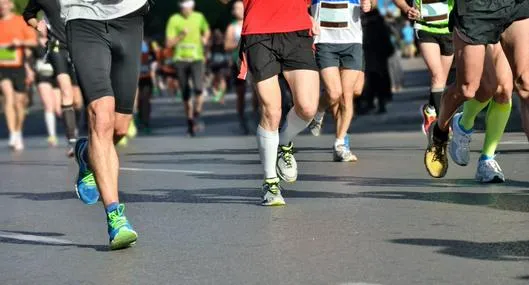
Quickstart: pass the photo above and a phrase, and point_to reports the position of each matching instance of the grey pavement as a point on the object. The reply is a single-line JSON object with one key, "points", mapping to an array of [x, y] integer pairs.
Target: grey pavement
{"points": [[195, 204]]}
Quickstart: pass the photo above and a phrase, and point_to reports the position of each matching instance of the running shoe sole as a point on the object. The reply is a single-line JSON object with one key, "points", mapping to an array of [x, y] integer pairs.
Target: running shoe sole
{"points": [[123, 240], [495, 180]]}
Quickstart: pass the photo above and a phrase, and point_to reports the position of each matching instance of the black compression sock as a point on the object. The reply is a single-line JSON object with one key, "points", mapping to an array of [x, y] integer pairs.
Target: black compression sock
{"points": [[435, 98], [440, 134], [68, 114]]}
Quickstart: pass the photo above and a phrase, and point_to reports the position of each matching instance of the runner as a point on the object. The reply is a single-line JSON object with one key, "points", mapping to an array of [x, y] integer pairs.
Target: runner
{"points": [[105, 45], [218, 64], [475, 26], [341, 60], [47, 88], [59, 57], [436, 46], [496, 83], [145, 86], [188, 33], [231, 44], [14, 38], [276, 38]]}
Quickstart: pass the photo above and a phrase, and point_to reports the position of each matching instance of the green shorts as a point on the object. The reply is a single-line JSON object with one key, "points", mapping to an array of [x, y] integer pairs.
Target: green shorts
{"points": [[483, 21], [346, 56]]}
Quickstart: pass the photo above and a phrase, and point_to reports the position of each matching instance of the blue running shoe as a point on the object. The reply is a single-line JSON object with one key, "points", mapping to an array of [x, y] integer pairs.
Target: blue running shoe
{"points": [[120, 231], [86, 187], [346, 141]]}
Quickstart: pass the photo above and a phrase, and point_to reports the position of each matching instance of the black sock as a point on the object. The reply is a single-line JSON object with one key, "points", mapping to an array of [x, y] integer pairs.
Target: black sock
{"points": [[196, 115], [78, 115], [435, 100], [439, 134], [190, 124], [68, 114]]}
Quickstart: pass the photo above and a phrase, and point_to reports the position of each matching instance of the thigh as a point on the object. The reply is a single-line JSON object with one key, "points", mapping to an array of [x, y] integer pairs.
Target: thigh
{"points": [[305, 86], [446, 44], [197, 76], [91, 55], [127, 35], [7, 89], [431, 53], [469, 65], [515, 41], [330, 77], [349, 79]]}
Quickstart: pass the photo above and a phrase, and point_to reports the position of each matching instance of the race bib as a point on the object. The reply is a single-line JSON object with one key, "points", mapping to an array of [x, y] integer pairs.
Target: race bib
{"points": [[44, 68], [434, 12], [187, 51], [8, 55], [334, 15]]}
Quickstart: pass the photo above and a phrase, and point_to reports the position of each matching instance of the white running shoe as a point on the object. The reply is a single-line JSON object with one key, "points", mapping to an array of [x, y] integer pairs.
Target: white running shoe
{"points": [[19, 144], [342, 153], [272, 193], [12, 140], [315, 126], [287, 168], [459, 147], [489, 171]]}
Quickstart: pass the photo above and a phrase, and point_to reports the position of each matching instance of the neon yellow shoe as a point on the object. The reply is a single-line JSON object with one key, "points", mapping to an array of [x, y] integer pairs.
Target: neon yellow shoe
{"points": [[132, 131], [53, 141], [272, 193], [123, 142], [435, 157]]}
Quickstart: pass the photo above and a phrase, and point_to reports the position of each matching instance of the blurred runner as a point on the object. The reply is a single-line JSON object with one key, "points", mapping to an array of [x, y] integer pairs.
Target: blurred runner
{"points": [[218, 65], [231, 44], [105, 44], [145, 86], [14, 38], [476, 26], [53, 27], [436, 46], [48, 90], [276, 38], [188, 32], [340, 57]]}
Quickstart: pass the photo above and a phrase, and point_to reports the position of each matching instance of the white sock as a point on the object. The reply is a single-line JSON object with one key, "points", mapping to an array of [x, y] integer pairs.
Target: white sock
{"points": [[293, 126], [319, 116], [338, 142], [49, 117], [268, 141]]}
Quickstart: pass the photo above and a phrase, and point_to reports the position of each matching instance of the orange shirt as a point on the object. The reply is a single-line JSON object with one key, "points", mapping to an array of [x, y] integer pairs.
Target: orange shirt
{"points": [[14, 28]]}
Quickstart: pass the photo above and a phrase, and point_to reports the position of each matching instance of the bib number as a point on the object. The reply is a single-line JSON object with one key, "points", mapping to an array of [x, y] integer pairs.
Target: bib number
{"points": [[434, 12], [334, 15], [187, 51]]}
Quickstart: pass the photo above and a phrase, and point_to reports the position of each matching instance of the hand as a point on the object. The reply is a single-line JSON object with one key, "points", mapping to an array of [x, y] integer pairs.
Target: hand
{"points": [[365, 5], [42, 28], [315, 27], [184, 33], [413, 13]]}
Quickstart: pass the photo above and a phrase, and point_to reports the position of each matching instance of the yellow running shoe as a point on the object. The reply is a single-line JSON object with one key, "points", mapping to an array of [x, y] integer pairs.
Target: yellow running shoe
{"points": [[53, 141], [435, 157], [132, 131], [123, 142]]}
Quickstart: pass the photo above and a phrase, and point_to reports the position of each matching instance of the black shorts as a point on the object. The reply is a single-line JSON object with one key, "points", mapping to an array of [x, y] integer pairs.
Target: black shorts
{"points": [[268, 55], [234, 76], [46, 79], [482, 22], [16, 75], [445, 41], [346, 56], [106, 56], [145, 82], [190, 70]]}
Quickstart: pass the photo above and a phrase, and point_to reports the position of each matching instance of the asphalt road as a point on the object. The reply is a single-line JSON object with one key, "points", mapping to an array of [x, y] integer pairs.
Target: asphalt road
{"points": [[195, 204]]}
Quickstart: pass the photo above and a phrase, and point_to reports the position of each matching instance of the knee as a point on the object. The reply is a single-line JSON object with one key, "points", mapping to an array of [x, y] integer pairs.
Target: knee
{"points": [[522, 84], [335, 95], [503, 93], [306, 111], [272, 115], [468, 90], [101, 121]]}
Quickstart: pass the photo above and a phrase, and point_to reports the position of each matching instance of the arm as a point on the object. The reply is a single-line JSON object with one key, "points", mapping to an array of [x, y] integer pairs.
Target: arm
{"points": [[206, 33], [30, 13], [411, 12], [229, 40]]}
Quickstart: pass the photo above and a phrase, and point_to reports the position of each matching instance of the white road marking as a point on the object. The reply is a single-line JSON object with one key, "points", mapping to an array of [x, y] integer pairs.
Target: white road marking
{"points": [[514, 142], [359, 283], [165, 170], [34, 238]]}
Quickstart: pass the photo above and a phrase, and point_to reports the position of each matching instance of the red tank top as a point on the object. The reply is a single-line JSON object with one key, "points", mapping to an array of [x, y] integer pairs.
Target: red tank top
{"points": [[275, 16]]}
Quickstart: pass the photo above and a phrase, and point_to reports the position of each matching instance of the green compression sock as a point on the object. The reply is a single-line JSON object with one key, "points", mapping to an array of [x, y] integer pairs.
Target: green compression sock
{"points": [[471, 109], [496, 121]]}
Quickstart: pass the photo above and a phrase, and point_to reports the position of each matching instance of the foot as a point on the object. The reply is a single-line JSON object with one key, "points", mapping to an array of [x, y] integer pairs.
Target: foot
{"points": [[12, 141], [315, 126], [19, 144], [120, 232], [132, 132], [86, 187], [287, 168], [489, 171], [272, 193], [53, 141], [459, 148], [342, 153], [429, 116], [435, 157], [71, 148]]}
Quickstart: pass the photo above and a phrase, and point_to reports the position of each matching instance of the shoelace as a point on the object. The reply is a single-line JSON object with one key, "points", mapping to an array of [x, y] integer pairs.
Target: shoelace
{"points": [[89, 179], [287, 156], [116, 218], [438, 153]]}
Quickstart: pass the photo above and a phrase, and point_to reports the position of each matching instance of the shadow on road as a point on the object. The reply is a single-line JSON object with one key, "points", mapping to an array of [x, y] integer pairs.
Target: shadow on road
{"points": [[27, 240], [495, 251]]}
